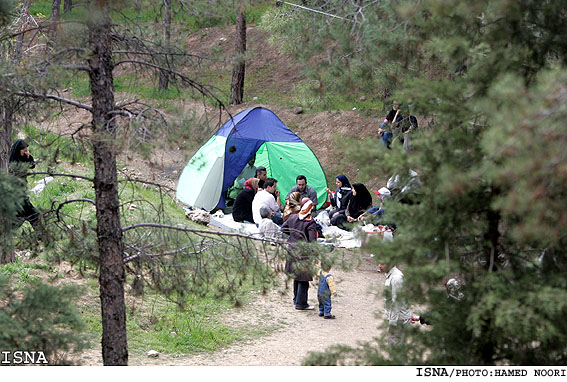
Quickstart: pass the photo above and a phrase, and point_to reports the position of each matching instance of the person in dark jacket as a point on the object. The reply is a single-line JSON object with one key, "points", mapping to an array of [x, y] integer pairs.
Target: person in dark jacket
{"points": [[300, 227], [242, 209], [341, 197], [19, 163], [358, 204]]}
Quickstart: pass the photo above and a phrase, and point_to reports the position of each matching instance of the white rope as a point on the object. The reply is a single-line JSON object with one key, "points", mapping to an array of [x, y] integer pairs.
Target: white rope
{"points": [[314, 10]]}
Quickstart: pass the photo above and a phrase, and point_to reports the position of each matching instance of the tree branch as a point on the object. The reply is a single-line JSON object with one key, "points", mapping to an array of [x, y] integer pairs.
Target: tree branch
{"points": [[55, 98], [77, 67], [128, 179], [198, 231], [138, 255], [67, 175], [68, 202], [202, 89]]}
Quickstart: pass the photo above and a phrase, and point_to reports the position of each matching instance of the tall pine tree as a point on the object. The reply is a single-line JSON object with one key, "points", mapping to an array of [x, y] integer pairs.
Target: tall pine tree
{"points": [[488, 78]]}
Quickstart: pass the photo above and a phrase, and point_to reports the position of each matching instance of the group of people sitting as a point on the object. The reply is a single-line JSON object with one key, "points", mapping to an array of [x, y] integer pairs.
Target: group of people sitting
{"points": [[260, 203]]}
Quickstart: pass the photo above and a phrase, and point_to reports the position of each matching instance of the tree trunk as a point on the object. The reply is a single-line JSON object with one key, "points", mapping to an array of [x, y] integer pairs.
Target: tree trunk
{"points": [[55, 10], [109, 232], [67, 6], [7, 254], [5, 134], [164, 76], [239, 69]]}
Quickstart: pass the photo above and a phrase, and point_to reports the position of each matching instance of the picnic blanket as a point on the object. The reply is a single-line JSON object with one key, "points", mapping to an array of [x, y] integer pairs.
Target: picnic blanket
{"points": [[226, 222]]}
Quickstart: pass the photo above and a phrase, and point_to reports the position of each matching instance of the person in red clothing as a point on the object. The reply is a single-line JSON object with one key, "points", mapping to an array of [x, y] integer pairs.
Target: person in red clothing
{"points": [[242, 210], [300, 227]]}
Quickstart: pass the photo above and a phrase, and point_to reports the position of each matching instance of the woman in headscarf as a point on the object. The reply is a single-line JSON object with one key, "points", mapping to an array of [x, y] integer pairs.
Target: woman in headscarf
{"points": [[341, 197], [19, 163], [242, 209], [292, 205], [300, 227], [360, 202]]}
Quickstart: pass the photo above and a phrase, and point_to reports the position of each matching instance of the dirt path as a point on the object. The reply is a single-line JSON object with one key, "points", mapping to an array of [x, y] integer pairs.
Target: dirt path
{"points": [[358, 309]]}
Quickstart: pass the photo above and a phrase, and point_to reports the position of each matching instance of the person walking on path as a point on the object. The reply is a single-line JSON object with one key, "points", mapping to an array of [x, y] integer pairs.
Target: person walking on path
{"points": [[300, 227]]}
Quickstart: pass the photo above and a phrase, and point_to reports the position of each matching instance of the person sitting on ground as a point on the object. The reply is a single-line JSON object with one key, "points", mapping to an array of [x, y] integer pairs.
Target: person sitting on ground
{"points": [[261, 174], [266, 198], [300, 227], [326, 289], [267, 227], [305, 190], [292, 205], [377, 212], [359, 203], [248, 172], [242, 210], [19, 163], [341, 197]]}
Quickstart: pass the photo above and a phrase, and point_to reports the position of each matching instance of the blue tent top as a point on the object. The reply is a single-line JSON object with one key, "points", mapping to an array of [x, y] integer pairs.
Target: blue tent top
{"points": [[255, 131]]}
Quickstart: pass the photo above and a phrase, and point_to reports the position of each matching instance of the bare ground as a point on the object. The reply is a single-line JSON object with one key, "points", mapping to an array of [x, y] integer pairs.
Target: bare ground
{"points": [[359, 304], [358, 310]]}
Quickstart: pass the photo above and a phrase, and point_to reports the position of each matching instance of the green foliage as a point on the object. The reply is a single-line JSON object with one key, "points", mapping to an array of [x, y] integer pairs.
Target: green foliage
{"points": [[490, 79], [42, 318], [182, 331], [6, 9], [22, 273]]}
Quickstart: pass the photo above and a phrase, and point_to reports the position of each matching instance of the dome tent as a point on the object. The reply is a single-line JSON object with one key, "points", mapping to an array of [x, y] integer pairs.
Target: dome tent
{"points": [[255, 131]]}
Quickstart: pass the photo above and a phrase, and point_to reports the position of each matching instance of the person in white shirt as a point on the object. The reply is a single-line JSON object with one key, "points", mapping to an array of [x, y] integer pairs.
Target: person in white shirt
{"points": [[267, 227], [265, 198], [396, 310]]}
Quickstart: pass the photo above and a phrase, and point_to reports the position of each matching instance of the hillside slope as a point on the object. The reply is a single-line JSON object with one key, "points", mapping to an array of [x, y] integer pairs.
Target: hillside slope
{"points": [[270, 72]]}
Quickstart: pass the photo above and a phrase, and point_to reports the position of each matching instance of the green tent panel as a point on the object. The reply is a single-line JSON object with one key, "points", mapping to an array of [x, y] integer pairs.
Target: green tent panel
{"points": [[275, 157], [256, 131]]}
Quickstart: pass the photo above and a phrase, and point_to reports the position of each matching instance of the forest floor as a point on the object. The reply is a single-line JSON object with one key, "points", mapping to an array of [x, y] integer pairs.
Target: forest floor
{"points": [[359, 304], [358, 309]]}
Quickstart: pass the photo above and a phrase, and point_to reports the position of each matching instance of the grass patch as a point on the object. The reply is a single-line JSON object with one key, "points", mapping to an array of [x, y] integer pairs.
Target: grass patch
{"points": [[154, 323], [23, 273]]}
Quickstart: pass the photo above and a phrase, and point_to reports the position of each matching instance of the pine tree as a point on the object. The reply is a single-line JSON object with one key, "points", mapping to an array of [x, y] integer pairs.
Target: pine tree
{"points": [[488, 78]]}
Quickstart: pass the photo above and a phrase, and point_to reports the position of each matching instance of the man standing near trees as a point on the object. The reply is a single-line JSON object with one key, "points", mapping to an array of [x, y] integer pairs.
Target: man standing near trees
{"points": [[395, 308]]}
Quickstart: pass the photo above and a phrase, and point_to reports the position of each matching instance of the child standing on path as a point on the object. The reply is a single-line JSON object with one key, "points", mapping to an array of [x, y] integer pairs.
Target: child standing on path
{"points": [[326, 288]]}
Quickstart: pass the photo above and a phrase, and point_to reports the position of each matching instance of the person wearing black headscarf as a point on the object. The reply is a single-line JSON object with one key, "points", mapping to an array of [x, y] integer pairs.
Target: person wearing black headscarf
{"points": [[341, 197], [19, 163], [360, 202]]}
